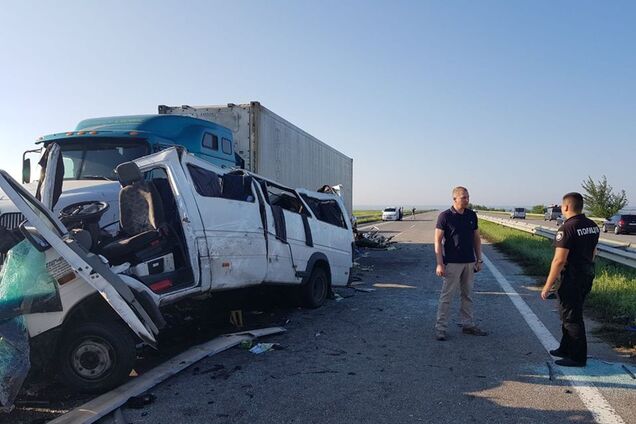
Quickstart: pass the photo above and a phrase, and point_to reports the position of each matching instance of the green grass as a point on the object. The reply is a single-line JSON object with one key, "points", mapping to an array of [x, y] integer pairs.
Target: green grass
{"points": [[365, 216], [613, 296]]}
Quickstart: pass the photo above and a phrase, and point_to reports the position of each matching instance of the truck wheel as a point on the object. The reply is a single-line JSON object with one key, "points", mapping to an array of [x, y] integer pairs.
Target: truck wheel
{"points": [[314, 292], [617, 230], [604, 228], [96, 356]]}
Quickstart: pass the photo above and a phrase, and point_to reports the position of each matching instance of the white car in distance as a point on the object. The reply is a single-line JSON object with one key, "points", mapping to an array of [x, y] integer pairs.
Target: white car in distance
{"points": [[391, 214]]}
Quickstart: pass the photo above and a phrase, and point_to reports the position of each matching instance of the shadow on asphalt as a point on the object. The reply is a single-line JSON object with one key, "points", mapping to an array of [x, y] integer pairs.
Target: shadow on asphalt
{"points": [[42, 398]]}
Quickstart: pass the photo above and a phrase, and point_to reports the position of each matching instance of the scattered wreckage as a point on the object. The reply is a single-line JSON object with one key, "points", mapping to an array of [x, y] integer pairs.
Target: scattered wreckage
{"points": [[373, 239], [74, 293]]}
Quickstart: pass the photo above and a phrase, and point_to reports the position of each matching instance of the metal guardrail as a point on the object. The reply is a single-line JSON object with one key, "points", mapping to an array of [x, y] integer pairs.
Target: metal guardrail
{"points": [[612, 250]]}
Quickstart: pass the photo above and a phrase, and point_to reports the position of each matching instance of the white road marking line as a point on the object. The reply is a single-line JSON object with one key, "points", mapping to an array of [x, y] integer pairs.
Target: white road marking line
{"points": [[374, 224], [592, 398]]}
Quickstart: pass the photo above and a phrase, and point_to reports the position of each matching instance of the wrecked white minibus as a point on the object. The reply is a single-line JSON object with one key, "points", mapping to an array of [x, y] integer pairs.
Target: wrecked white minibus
{"points": [[73, 293]]}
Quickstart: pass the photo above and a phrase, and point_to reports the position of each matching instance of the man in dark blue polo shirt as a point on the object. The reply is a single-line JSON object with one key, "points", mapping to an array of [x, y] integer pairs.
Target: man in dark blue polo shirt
{"points": [[458, 254]]}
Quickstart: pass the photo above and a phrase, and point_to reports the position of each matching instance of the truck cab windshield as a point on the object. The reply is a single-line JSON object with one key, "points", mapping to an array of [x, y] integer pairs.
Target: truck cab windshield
{"points": [[97, 159]]}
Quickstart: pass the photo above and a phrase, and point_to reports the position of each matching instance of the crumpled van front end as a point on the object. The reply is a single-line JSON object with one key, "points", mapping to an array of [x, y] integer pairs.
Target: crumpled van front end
{"points": [[48, 283]]}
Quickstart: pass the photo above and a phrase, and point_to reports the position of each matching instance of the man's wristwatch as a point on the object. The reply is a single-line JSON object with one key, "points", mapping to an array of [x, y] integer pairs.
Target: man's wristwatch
{"points": [[480, 261]]}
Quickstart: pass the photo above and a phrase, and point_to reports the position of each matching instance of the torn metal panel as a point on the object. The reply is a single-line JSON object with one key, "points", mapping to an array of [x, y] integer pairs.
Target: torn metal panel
{"points": [[52, 230], [49, 186]]}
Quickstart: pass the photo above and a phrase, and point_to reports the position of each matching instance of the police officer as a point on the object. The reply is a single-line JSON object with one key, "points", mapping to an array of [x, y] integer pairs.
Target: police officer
{"points": [[575, 243]]}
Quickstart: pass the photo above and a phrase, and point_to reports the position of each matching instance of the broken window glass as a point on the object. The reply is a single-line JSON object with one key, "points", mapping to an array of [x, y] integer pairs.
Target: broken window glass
{"points": [[26, 286], [206, 183], [326, 210], [14, 360], [233, 186], [237, 187], [286, 199]]}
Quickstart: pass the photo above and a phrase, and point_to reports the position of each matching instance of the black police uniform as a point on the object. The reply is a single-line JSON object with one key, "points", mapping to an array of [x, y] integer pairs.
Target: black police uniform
{"points": [[580, 235]]}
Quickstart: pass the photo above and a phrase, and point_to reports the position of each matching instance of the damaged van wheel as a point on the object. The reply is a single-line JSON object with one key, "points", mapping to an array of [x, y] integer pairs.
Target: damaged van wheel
{"points": [[97, 356], [315, 291]]}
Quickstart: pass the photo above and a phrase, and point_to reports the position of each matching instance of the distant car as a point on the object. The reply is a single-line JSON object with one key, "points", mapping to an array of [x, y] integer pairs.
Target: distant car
{"points": [[560, 220], [551, 213], [390, 214], [519, 213], [620, 224]]}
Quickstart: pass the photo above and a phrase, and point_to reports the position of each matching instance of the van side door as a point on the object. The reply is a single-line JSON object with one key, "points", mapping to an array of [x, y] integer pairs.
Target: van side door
{"points": [[232, 222], [292, 214]]}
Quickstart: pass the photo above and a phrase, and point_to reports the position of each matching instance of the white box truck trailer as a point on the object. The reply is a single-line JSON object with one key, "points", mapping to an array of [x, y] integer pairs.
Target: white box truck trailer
{"points": [[275, 148]]}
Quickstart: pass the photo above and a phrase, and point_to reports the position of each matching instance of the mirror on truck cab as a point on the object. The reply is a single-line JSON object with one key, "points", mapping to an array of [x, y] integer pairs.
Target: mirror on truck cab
{"points": [[26, 171]]}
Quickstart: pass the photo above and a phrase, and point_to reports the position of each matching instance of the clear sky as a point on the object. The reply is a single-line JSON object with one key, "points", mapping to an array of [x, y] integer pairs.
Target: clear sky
{"points": [[518, 100]]}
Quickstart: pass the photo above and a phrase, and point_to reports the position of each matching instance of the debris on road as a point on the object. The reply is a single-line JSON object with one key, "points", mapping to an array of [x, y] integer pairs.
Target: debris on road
{"points": [[141, 401], [236, 318], [631, 374], [262, 348], [364, 289], [108, 402], [373, 239], [358, 267]]}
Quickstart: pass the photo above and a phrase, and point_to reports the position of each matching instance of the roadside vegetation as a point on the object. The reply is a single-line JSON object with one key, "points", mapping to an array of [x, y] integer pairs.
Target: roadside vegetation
{"points": [[364, 216], [613, 296], [600, 199], [538, 209]]}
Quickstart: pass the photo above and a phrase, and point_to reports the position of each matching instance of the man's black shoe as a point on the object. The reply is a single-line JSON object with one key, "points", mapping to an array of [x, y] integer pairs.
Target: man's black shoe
{"points": [[558, 353], [567, 362]]}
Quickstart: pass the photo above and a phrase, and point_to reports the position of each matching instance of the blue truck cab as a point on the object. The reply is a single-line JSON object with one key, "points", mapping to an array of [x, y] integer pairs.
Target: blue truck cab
{"points": [[98, 145]]}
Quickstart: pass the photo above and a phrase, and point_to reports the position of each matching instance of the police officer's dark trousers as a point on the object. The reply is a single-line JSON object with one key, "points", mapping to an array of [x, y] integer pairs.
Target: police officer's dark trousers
{"points": [[575, 286]]}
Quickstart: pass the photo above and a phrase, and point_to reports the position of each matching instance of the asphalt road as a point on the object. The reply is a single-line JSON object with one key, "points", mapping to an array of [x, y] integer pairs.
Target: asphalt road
{"points": [[372, 357], [623, 238]]}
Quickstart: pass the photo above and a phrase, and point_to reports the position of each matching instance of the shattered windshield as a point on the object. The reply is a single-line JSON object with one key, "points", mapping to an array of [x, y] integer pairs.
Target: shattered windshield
{"points": [[96, 159], [26, 285]]}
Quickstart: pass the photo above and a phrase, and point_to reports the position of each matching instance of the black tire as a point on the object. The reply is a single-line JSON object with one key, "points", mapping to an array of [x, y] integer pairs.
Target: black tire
{"points": [[96, 356], [604, 228], [617, 230], [314, 292]]}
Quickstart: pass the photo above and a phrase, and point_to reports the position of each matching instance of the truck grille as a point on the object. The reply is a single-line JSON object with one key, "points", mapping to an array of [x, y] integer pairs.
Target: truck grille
{"points": [[10, 221]]}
